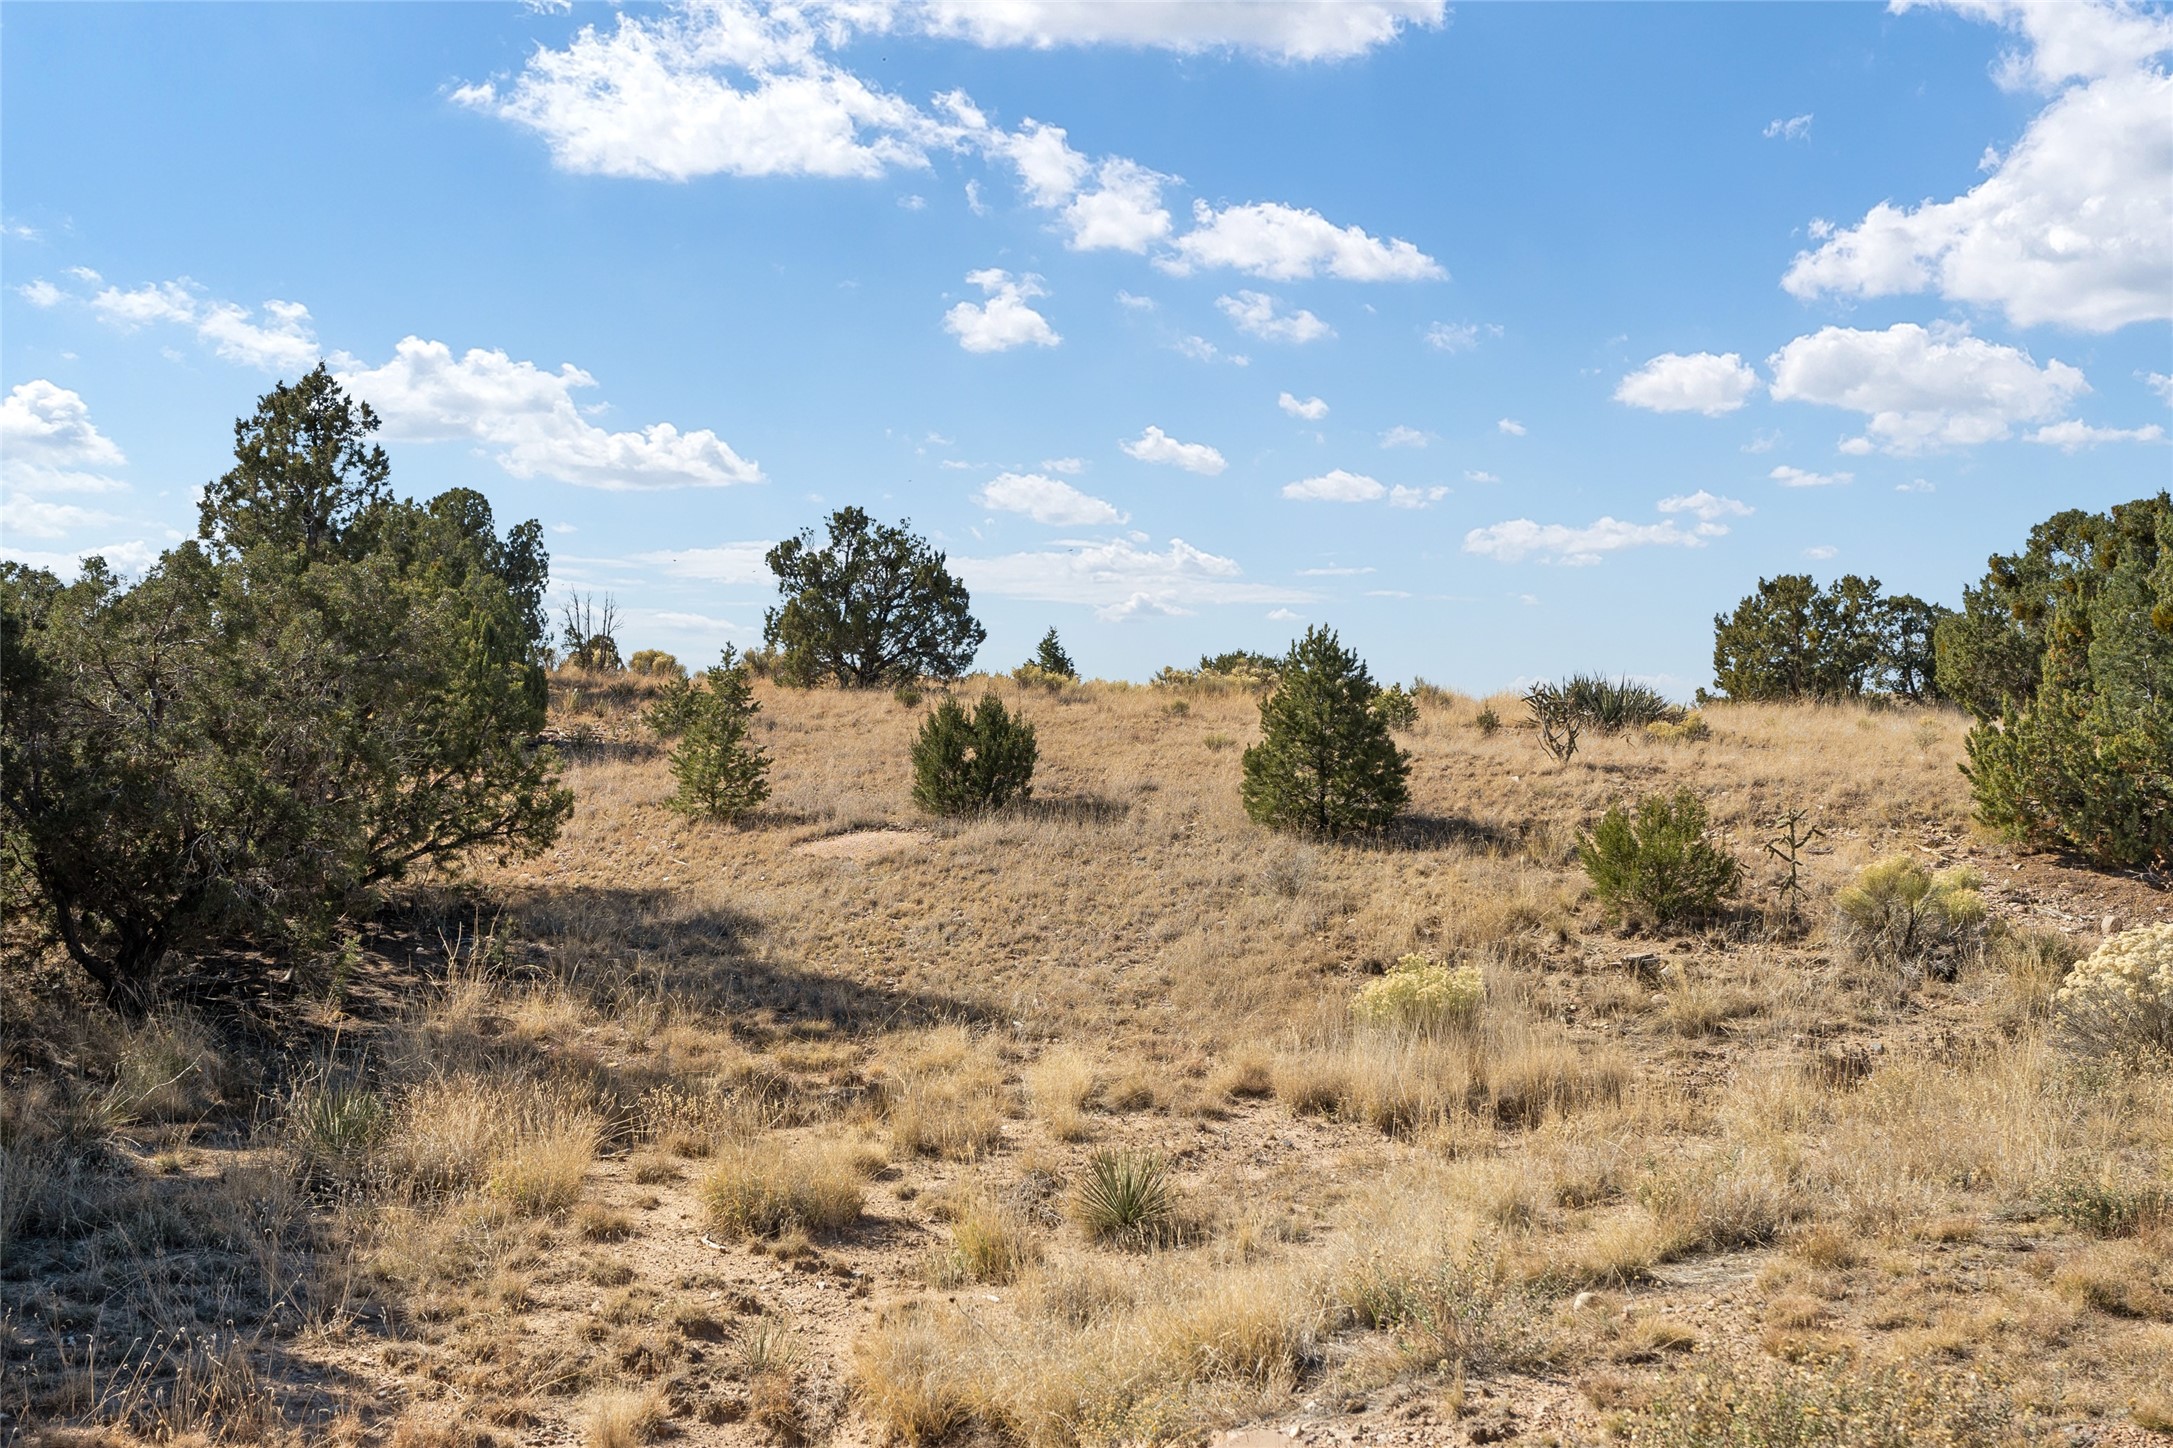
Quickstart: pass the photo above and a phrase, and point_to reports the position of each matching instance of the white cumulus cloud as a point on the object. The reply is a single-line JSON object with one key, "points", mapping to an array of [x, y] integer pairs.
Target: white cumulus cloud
{"points": [[280, 340], [1510, 426], [39, 293], [1284, 243], [726, 88], [1460, 336], [1706, 507], [1157, 446], [1521, 538], [2074, 436], [426, 394], [2074, 225], [1312, 409], [1046, 500], [1792, 477], [1005, 320], [48, 443], [1119, 578], [1286, 30], [1922, 388], [1336, 486], [1260, 315], [1697, 382]]}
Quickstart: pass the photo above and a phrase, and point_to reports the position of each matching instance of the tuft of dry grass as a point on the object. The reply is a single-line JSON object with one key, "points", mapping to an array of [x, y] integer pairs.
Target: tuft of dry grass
{"points": [[623, 1419], [767, 1188], [1061, 1083]]}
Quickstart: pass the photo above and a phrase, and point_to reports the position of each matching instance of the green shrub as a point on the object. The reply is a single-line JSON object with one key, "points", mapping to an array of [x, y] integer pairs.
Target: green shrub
{"points": [[1898, 913], [1396, 709], [656, 664], [722, 774], [1325, 764], [1033, 676], [1486, 721], [908, 696], [1421, 994], [1126, 1196], [1687, 730], [1658, 867], [964, 765], [2120, 996]]}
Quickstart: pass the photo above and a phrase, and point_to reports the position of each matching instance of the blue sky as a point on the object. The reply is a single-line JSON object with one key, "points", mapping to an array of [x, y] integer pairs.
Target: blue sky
{"points": [[1508, 340]]}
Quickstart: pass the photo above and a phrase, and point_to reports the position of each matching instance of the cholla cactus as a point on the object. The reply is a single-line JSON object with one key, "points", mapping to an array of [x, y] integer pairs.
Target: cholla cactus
{"points": [[1421, 993], [2121, 995]]}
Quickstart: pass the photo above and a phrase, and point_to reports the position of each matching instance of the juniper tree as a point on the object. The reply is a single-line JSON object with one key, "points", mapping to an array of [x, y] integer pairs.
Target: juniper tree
{"points": [[721, 773], [964, 764], [325, 689], [873, 607], [1325, 764]]}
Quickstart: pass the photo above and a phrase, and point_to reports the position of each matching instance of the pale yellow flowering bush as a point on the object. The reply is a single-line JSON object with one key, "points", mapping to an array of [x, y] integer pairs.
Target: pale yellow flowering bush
{"points": [[2121, 994], [1421, 993]]}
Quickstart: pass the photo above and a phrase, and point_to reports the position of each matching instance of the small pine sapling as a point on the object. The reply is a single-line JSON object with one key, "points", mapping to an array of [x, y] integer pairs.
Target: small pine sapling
{"points": [[1325, 764], [722, 774]]}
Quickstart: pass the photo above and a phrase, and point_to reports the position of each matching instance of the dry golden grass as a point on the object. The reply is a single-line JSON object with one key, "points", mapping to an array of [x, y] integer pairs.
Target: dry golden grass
{"points": [[887, 1074]]}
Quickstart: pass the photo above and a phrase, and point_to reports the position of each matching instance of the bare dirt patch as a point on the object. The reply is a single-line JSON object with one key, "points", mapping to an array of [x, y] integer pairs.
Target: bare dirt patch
{"points": [[864, 844]]}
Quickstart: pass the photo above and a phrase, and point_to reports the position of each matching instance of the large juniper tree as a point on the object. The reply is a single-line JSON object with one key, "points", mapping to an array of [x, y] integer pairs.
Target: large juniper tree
{"points": [[325, 689], [871, 608], [1325, 763]]}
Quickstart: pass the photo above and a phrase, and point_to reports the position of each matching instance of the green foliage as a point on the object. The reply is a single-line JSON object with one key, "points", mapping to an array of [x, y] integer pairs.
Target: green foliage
{"points": [[1050, 658], [1325, 763], [1900, 914], [1688, 729], [722, 774], [1794, 640], [907, 695], [326, 689], [2104, 1205], [1126, 1196], [656, 664], [1486, 721], [1396, 709], [964, 765], [1657, 866], [1612, 705], [873, 608], [2084, 758], [1421, 994], [674, 708]]}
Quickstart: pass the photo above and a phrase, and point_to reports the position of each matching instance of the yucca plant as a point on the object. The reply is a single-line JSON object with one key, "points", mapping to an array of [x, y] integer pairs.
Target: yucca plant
{"points": [[1126, 1196], [1612, 705]]}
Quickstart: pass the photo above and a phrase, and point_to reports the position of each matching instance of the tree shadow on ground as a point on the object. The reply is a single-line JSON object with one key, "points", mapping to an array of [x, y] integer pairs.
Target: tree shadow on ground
{"points": [[1082, 809], [1418, 832], [618, 944]]}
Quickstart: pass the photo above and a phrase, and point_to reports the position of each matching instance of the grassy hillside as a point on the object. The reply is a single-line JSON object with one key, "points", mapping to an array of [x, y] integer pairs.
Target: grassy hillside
{"points": [[1056, 1126]]}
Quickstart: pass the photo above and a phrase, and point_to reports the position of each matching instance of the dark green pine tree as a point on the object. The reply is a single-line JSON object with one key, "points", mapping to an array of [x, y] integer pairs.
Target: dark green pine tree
{"points": [[721, 773], [1325, 764], [963, 764], [1051, 658]]}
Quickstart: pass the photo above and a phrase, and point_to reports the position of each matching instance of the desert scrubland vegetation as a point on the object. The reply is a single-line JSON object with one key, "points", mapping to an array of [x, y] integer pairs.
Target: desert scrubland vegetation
{"points": [[805, 1063]]}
